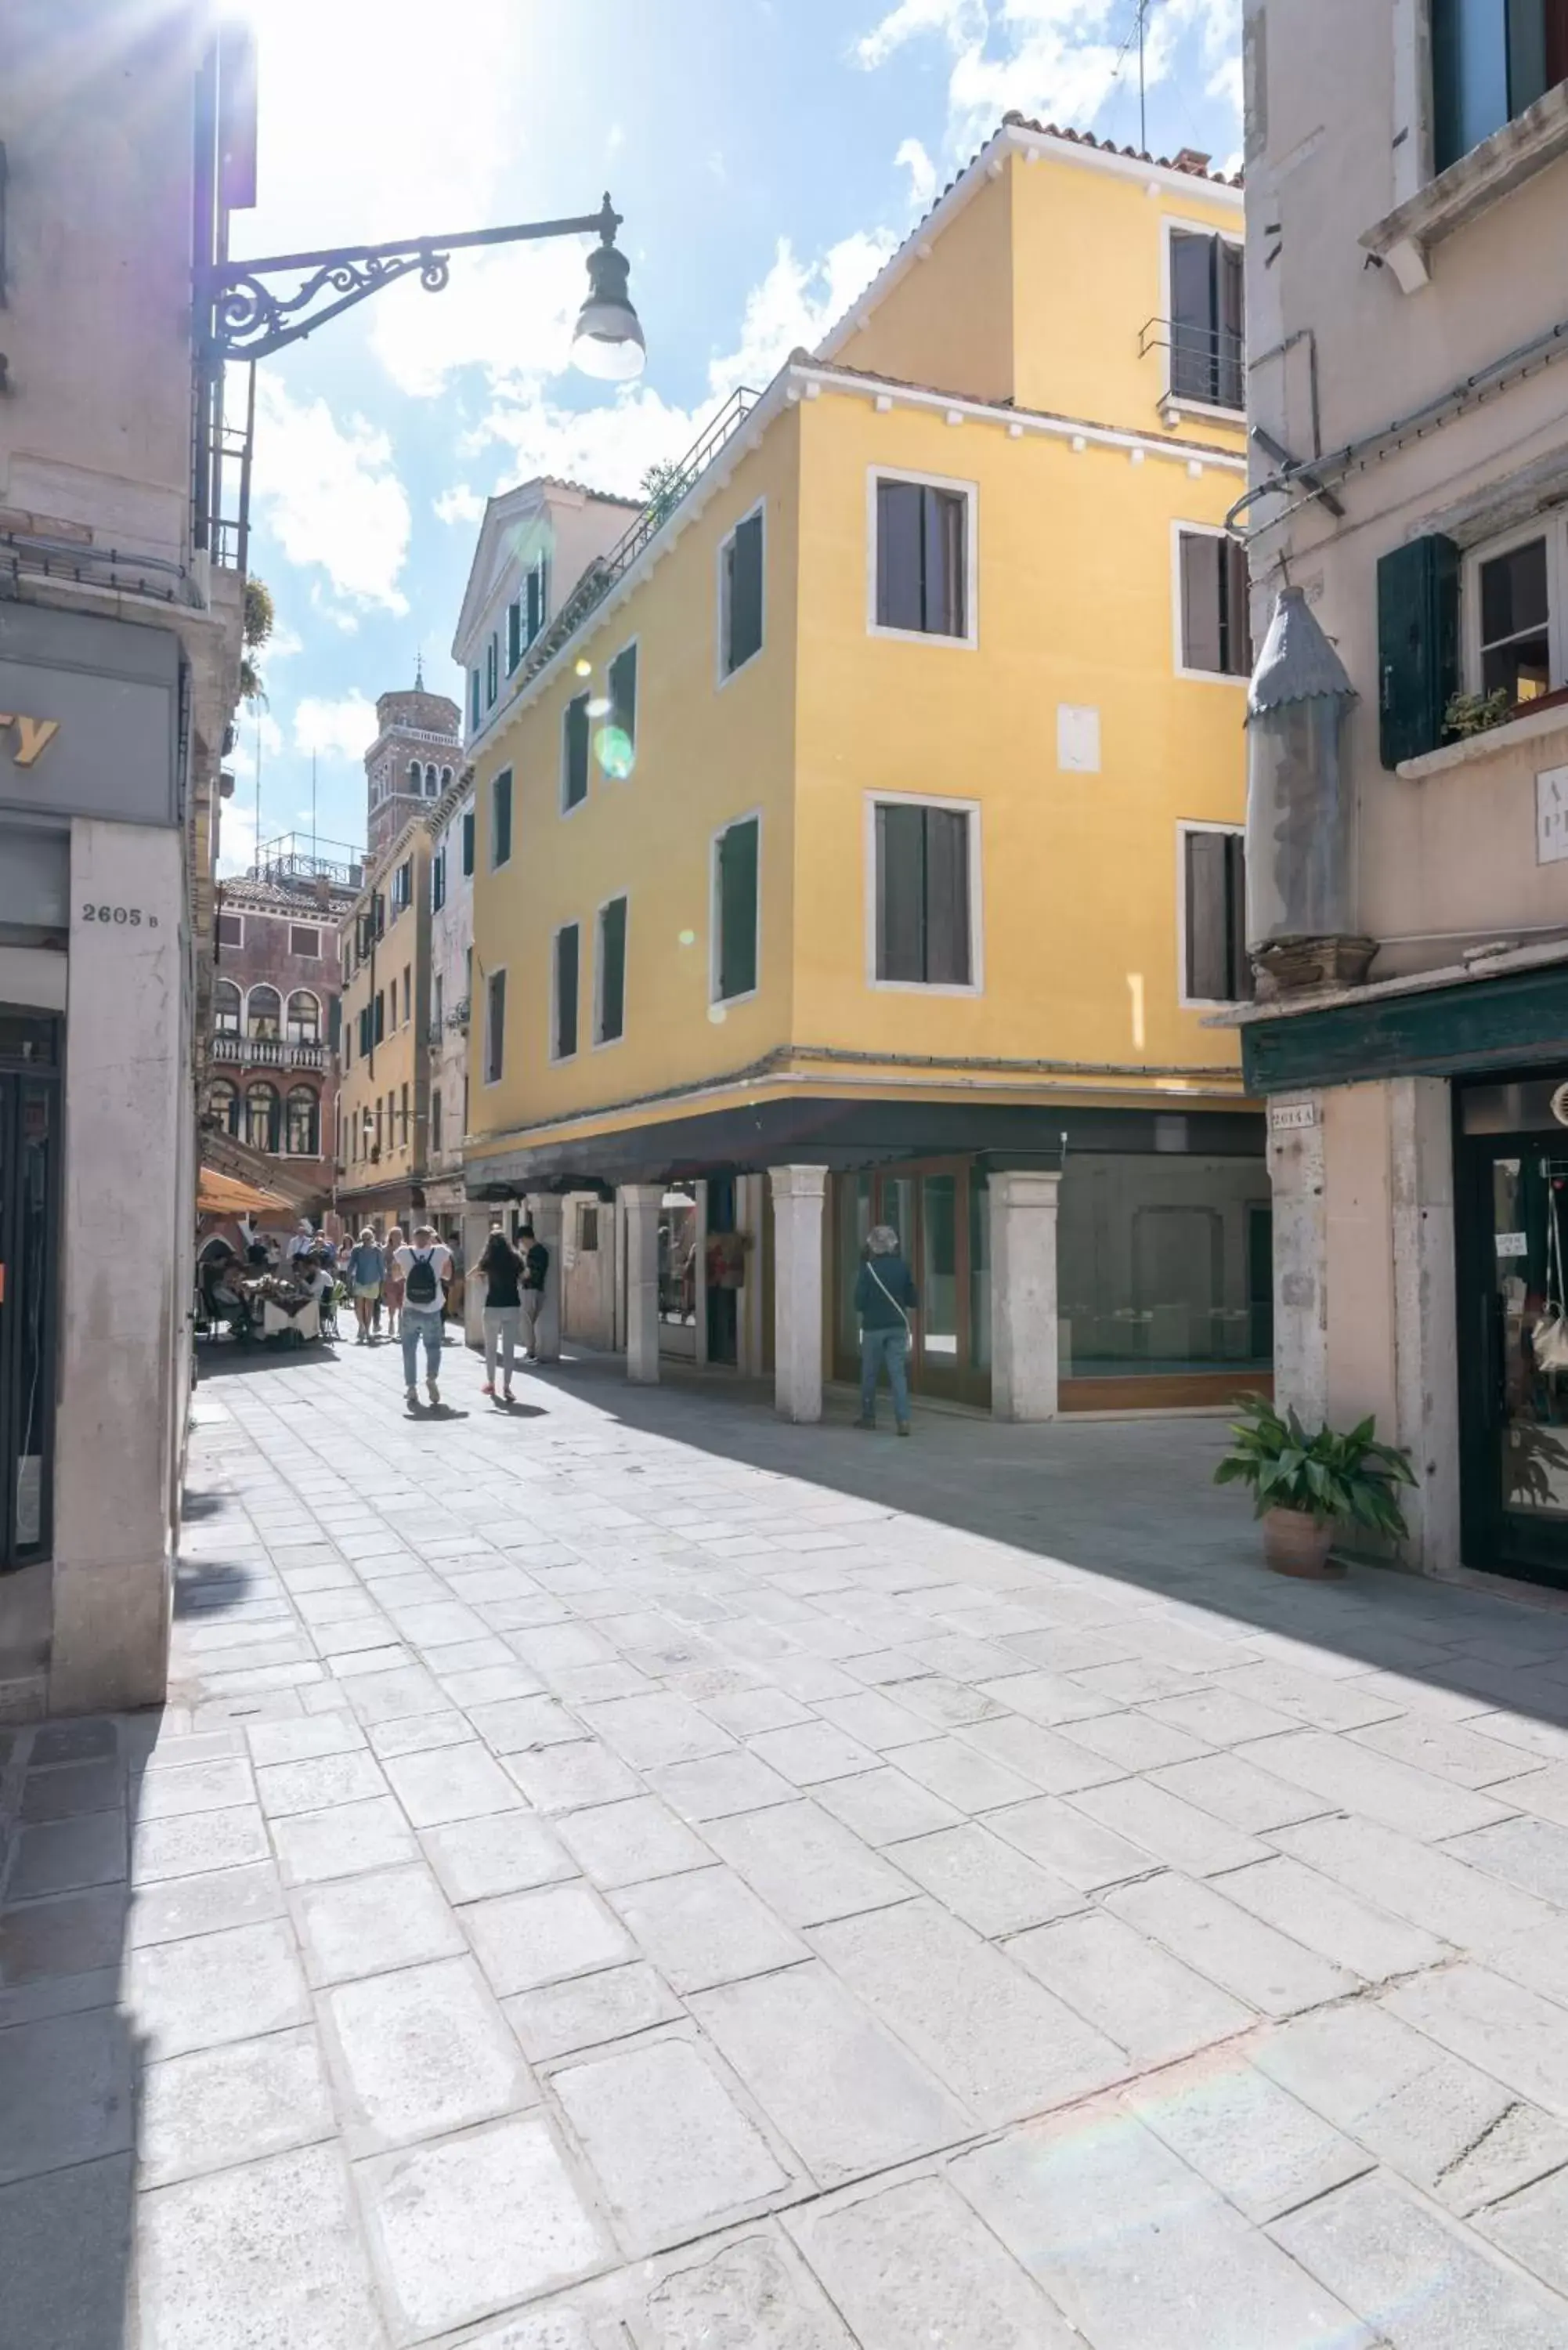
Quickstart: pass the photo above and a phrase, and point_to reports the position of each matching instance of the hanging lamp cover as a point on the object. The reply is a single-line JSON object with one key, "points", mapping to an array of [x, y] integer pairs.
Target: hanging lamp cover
{"points": [[1297, 662]]}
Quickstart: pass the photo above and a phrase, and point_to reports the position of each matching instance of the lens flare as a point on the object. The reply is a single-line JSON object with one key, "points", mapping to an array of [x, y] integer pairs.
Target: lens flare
{"points": [[616, 755], [600, 706], [688, 938], [718, 1014], [584, 668]]}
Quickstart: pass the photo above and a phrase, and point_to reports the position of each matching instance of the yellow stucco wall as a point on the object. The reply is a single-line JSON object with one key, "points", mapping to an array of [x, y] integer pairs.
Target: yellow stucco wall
{"points": [[398, 1058], [949, 319], [705, 755]]}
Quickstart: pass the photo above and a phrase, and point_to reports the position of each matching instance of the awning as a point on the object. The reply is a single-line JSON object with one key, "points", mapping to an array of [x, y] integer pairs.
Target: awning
{"points": [[225, 1195]]}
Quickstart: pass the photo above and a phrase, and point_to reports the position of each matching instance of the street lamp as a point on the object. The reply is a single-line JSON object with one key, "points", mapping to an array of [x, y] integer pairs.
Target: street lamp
{"points": [[244, 317]]}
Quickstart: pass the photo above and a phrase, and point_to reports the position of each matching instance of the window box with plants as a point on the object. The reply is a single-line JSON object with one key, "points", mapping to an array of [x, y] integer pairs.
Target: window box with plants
{"points": [[1303, 1486]]}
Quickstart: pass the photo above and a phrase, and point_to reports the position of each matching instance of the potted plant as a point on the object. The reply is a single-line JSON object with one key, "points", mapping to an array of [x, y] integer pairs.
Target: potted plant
{"points": [[1301, 1484]]}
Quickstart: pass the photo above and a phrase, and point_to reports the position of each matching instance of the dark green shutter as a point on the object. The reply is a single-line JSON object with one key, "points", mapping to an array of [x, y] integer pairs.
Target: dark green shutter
{"points": [[575, 786], [501, 818], [901, 893], [1417, 646], [746, 616], [612, 971], [334, 1020], [738, 909], [514, 636], [622, 680], [468, 840], [567, 991]]}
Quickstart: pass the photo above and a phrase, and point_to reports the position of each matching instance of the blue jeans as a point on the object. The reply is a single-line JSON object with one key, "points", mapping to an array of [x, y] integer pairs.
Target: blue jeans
{"points": [[420, 1322], [892, 1348]]}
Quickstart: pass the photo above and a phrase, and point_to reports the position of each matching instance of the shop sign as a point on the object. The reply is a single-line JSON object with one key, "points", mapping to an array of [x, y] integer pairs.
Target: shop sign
{"points": [[1292, 1117], [1551, 816], [88, 716]]}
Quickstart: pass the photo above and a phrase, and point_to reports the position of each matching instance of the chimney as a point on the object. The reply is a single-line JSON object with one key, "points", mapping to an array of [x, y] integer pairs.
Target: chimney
{"points": [[1190, 159]]}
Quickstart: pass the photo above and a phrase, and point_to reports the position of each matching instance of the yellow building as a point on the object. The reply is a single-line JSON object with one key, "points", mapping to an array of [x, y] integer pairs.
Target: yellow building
{"points": [[862, 843], [383, 1088]]}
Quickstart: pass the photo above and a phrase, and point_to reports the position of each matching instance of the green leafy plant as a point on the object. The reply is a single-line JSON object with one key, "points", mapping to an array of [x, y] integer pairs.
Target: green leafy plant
{"points": [[258, 626], [1478, 713], [1328, 1475]]}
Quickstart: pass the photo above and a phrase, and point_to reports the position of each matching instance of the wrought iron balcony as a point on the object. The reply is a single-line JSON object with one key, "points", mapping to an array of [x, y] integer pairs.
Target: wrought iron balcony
{"points": [[1207, 364], [267, 1052]]}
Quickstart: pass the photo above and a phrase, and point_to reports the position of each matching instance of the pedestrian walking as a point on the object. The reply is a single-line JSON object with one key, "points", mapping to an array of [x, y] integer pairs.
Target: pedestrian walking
{"points": [[366, 1270], [503, 1270], [425, 1267], [535, 1266], [393, 1294], [885, 1298]]}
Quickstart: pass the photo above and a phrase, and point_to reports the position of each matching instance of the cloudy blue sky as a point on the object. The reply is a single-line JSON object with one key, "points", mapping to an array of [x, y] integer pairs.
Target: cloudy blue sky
{"points": [[767, 155]]}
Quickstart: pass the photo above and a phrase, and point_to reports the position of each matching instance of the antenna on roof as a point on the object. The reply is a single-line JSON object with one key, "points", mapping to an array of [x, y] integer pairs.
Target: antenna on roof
{"points": [[420, 670]]}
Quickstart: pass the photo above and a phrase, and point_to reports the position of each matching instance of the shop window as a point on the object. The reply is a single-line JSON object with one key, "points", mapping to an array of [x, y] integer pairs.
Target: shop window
{"points": [[564, 994], [501, 819], [495, 1026], [922, 559], [609, 1008], [925, 914], [1207, 320], [227, 1008], [735, 904], [740, 595], [223, 1106], [1215, 968], [1157, 1253], [263, 1012], [1491, 60], [262, 1116], [304, 1018], [574, 754], [1211, 579], [304, 1123]]}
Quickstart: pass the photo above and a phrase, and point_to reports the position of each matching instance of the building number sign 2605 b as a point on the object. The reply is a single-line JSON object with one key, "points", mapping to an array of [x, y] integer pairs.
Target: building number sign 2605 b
{"points": [[125, 915]]}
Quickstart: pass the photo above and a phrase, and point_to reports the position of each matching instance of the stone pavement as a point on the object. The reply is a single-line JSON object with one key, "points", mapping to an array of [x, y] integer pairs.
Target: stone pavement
{"points": [[638, 1876]]}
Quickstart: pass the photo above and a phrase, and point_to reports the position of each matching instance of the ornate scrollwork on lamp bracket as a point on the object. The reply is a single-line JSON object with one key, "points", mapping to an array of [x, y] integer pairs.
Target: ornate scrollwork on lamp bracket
{"points": [[250, 320]]}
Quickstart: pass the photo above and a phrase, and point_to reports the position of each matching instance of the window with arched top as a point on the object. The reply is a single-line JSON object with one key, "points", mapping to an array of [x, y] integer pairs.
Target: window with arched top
{"points": [[432, 786], [303, 1123], [414, 776], [227, 1008], [445, 778], [263, 1012], [262, 1116], [224, 1104], [304, 1017]]}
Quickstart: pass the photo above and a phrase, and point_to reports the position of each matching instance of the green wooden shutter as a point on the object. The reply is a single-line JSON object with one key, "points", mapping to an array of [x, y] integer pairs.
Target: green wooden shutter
{"points": [[948, 962], [575, 783], [468, 840], [746, 580], [501, 818], [1417, 646], [622, 681], [738, 909], [513, 635], [567, 991], [901, 893], [612, 971]]}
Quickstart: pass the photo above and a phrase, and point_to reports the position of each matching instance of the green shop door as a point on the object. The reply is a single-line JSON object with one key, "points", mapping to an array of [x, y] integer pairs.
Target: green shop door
{"points": [[1511, 1217]]}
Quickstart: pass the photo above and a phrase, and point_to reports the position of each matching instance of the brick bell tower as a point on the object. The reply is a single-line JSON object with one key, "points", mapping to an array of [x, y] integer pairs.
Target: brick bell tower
{"points": [[416, 752]]}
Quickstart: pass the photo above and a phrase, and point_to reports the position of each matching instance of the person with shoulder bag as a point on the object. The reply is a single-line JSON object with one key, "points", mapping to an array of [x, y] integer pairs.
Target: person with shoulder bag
{"points": [[885, 1298], [502, 1269]]}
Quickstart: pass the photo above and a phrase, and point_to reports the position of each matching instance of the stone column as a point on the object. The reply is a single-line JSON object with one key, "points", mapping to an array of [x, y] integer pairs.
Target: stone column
{"points": [[798, 1194], [1426, 1314], [549, 1223], [642, 1281], [1023, 1341], [476, 1224], [1297, 1178]]}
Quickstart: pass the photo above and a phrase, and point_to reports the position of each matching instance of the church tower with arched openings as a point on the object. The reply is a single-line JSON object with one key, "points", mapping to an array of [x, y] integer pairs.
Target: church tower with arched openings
{"points": [[414, 756]]}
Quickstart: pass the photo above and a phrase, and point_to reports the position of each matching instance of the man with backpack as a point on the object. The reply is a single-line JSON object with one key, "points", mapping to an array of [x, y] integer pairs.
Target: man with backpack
{"points": [[426, 1268], [536, 1258]]}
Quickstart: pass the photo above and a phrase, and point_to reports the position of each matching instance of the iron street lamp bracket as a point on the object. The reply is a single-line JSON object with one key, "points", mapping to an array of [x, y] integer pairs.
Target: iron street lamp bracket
{"points": [[243, 316]]}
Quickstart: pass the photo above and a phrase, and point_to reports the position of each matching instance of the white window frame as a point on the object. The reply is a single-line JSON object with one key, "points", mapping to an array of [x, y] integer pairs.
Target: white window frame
{"points": [[970, 493], [600, 1044], [484, 1076], [1172, 224], [511, 775], [722, 676], [1552, 526], [744, 815], [973, 810], [566, 810], [1178, 531], [563, 1060], [1185, 825]]}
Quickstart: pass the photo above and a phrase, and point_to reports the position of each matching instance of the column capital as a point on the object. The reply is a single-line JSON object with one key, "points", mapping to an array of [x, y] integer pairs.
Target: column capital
{"points": [[798, 1182], [642, 1196], [1027, 1187]]}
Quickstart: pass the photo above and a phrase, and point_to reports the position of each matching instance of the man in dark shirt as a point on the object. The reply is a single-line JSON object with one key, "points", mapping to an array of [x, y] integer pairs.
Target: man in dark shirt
{"points": [[885, 1299], [536, 1258]]}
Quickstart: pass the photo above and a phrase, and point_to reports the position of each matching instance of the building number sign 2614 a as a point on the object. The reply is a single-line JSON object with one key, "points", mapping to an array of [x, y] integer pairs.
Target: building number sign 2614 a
{"points": [[127, 917]]}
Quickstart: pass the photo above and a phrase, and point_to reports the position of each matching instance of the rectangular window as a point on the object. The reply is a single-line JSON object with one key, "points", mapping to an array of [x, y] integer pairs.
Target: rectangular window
{"points": [[495, 1026], [403, 1125], [1215, 968], [564, 1042], [402, 886], [923, 903], [438, 880], [1491, 60], [1216, 630], [1515, 614], [610, 1013], [467, 841], [231, 929], [363, 1025], [740, 595], [588, 1230], [921, 558], [574, 752], [536, 598], [435, 1119], [501, 819], [474, 701], [735, 867], [492, 671], [408, 994], [378, 1023], [513, 635], [437, 1001], [305, 939], [621, 678], [1207, 320]]}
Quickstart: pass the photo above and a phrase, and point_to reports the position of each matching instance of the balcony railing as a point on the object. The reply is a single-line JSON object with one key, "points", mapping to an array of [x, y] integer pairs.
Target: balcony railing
{"points": [[1207, 364], [458, 1017], [267, 1052]]}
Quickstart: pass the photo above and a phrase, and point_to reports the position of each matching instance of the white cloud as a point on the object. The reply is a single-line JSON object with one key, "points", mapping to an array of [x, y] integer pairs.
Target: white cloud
{"points": [[236, 837], [961, 21], [343, 729], [331, 496], [460, 503], [283, 643], [922, 173]]}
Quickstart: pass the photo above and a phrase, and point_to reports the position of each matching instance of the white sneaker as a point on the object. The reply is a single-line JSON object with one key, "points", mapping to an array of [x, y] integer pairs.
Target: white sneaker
{"points": [[433, 1392], [412, 1398]]}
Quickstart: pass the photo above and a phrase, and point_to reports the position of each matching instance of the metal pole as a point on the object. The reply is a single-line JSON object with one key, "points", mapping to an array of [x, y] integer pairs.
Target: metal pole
{"points": [[1142, 92]]}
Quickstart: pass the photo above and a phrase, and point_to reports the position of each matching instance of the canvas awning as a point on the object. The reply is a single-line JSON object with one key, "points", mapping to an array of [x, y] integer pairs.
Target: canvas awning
{"points": [[225, 1195]]}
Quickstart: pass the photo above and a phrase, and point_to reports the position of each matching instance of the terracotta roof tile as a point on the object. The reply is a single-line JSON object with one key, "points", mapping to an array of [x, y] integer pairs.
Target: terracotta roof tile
{"points": [[1185, 162]]}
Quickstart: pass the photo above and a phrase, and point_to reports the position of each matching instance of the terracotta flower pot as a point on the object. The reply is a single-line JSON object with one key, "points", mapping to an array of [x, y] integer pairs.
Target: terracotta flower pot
{"points": [[1296, 1544]]}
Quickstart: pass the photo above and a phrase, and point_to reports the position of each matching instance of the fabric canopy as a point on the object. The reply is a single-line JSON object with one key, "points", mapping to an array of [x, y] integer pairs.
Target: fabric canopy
{"points": [[225, 1195]]}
